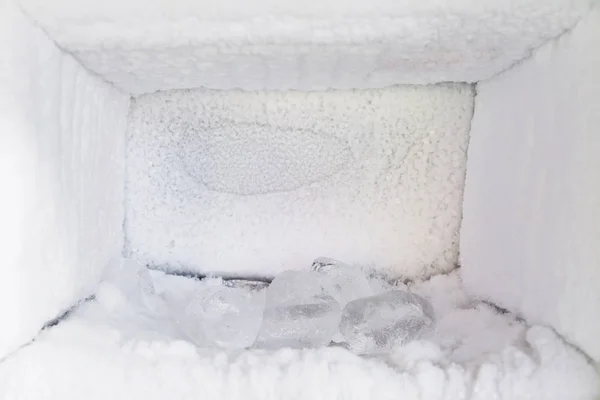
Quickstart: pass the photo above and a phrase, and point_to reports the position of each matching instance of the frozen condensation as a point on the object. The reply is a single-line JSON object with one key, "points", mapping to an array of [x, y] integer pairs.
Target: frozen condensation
{"points": [[145, 46], [299, 312], [240, 183], [62, 167], [532, 195], [226, 317], [209, 159], [379, 323]]}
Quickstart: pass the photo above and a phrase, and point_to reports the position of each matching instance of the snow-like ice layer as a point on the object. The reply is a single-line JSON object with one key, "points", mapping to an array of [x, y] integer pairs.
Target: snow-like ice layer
{"points": [[145, 46], [62, 135], [531, 229], [254, 183], [107, 352]]}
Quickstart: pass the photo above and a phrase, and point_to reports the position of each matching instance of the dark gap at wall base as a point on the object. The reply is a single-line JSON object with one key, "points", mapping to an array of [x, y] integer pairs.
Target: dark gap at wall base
{"points": [[199, 276], [187, 273], [50, 324], [55, 321], [411, 281], [500, 310], [241, 280]]}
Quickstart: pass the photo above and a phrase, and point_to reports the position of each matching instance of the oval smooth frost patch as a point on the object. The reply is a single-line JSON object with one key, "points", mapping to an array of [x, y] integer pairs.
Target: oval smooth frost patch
{"points": [[247, 159]]}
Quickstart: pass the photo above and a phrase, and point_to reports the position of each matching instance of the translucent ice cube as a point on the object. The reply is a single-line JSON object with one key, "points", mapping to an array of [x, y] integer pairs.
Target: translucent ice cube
{"points": [[134, 282], [379, 323], [346, 283], [225, 317], [294, 287], [299, 312]]}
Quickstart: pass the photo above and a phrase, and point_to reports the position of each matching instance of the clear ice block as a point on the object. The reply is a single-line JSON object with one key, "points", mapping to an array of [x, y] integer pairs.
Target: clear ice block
{"points": [[379, 323], [134, 283], [346, 283], [224, 317], [299, 312]]}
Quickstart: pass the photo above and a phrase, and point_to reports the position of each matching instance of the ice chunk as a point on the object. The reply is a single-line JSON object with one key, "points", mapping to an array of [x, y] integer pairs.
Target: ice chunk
{"points": [[226, 317], [379, 323], [294, 287], [189, 316], [346, 283], [134, 282], [301, 325], [299, 312]]}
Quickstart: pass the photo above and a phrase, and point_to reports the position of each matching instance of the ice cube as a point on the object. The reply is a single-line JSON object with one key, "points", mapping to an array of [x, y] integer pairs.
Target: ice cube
{"points": [[134, 282], [346, 283], [190, 316], [299, 312], [379, 323], [225, 317]]}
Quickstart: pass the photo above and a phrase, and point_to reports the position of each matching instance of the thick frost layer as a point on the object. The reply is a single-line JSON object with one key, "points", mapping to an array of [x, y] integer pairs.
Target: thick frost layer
{"points": [[146, 46], [62, 156], [255, 183], [531, 231], [475, 354]]}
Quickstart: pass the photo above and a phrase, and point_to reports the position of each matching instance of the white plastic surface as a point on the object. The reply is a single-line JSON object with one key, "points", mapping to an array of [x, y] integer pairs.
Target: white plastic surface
{"points": [[143, 46], [531, 230], [247, 183], [62, 135]]}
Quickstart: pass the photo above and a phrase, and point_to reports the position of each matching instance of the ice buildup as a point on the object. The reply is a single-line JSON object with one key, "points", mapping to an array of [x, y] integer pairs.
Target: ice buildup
{"points": [[299, 312], [344, 282], [224, 317], [379, 323]]}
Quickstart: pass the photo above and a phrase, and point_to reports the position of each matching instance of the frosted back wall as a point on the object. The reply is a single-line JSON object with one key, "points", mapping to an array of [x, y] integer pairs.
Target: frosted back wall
{"points": [[531, 230], [61, 177], [253, 183]]}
